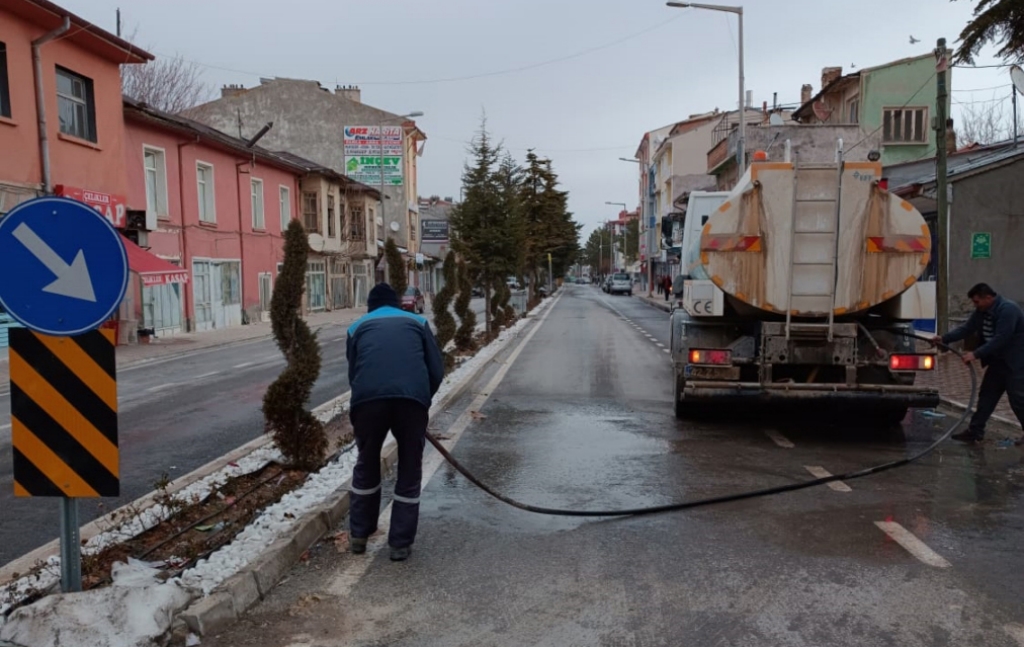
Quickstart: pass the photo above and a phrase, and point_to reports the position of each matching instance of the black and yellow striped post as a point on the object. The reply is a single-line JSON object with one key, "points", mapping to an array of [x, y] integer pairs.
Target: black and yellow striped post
{"points": [[64, 427], [64, 414]]}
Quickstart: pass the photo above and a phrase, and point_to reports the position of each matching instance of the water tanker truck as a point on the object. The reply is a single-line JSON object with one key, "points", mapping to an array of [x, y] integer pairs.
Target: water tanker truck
{"points": [[799, 286]]}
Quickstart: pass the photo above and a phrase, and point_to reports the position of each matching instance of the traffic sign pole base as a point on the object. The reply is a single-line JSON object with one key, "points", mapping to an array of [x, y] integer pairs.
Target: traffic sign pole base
{"points": [[70, 547]]}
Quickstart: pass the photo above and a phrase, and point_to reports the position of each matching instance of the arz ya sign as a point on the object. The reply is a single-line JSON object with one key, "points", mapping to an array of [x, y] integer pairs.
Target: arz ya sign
{"points": [[363, 160]]}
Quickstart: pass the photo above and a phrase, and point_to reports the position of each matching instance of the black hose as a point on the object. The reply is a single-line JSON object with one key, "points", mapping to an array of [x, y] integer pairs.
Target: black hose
{"points": [[686, 505]]}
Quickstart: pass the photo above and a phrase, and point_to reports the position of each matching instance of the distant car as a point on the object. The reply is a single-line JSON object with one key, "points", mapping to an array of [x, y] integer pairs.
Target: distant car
{"points": [[512, 283], [581, 281], [620, 283], [607, 283], [477, 291], [412, 300]]}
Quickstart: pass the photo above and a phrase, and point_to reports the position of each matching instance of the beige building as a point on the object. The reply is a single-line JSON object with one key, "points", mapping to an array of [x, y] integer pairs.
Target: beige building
{"points": [[315, 123], [338, 214]]}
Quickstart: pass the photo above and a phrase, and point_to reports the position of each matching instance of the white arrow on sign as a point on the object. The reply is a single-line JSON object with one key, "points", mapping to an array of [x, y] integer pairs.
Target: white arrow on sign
{"points": [[72, 280]]}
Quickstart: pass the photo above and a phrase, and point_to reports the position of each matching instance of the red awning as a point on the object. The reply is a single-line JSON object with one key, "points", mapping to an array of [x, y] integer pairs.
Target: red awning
{"points": [[151, 269]]}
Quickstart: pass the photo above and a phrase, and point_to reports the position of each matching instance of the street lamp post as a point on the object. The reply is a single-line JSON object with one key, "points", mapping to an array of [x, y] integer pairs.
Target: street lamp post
{"points": [[741, 144], [625, 236], [380, 141]]}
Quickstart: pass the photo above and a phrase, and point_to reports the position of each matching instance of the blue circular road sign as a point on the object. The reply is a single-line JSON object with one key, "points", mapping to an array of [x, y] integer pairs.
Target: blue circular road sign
{"points": [[63, 267]]}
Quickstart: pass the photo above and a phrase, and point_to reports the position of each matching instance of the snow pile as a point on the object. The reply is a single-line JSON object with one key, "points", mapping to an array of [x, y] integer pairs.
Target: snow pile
{"points": [[132, 612], [47, 578]]}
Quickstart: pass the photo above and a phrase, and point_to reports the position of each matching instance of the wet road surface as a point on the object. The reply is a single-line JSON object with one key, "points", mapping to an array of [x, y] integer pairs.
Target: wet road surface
{"points": [[924, 555]]}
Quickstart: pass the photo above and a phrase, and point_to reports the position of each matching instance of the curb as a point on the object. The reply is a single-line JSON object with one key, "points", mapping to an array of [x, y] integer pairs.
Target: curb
{"points": [[236, 595], [26, 562], [961, 407], [656, 304]]}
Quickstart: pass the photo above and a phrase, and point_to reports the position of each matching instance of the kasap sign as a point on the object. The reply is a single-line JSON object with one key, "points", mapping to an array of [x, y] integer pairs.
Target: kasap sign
{"points": [[363, 160]]}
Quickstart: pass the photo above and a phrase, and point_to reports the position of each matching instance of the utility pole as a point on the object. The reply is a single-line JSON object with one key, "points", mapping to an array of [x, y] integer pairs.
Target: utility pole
{"points": [[941, 187]]}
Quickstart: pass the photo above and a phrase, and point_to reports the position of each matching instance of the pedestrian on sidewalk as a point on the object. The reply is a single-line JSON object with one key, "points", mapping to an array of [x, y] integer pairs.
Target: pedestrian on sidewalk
{"points": [[394, 369], [667, 284], [1000, 324]]}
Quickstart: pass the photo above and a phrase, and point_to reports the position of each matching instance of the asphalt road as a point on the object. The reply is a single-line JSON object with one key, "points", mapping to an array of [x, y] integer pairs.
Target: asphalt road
{"points": [[174, 416], [924, 555]]}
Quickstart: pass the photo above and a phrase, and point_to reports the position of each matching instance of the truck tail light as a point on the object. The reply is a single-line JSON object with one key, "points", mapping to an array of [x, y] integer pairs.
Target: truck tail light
{"points": [[911, 362], [713, 357]]}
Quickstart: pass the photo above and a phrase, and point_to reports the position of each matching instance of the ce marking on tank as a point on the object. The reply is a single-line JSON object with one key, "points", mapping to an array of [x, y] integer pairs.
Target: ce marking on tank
{"points": [[705, 306]]}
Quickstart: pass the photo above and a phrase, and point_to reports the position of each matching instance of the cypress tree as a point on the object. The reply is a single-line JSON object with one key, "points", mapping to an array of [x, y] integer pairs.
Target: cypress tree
{"points": [[297, 432], [464, 335], [444, 322], [398, 272]]}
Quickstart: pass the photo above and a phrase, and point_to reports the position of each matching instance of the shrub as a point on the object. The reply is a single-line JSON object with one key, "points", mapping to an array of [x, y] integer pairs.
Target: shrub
{"points": [[464, 335], [444, 322], [298, 434], [398, 272]]}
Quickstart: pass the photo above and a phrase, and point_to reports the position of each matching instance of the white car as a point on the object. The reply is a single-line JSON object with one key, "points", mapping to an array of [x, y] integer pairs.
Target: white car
{"points": [[621, 283]]}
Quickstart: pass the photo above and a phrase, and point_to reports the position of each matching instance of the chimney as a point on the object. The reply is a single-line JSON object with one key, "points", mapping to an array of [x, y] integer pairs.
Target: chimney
{"points": [[231, 90], [750, 99], [830, 74], [350, 92], [805, 93]]}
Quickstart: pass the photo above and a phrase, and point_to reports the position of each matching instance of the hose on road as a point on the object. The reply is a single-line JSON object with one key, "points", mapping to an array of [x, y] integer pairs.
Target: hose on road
{"points": [[728, 498]]}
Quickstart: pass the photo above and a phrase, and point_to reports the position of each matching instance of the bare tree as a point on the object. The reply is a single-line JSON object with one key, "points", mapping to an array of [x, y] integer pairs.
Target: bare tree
{"points": [[986, 122], [169, 84]]}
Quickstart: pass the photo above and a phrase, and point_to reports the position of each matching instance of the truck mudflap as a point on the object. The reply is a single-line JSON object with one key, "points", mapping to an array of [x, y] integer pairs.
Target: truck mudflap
{"points": [[753, 392]]}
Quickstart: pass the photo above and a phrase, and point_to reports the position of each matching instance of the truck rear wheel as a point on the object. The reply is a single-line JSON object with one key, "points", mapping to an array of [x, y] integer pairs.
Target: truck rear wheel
{"points": [[684, 409]]}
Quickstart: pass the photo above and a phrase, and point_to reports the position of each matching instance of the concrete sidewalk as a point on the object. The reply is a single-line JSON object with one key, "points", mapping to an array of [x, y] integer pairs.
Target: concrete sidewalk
{"points": [[185, 343]]}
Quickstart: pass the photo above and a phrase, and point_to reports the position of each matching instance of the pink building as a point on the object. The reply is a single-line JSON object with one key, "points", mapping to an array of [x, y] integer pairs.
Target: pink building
{"points": [[218, 208]]}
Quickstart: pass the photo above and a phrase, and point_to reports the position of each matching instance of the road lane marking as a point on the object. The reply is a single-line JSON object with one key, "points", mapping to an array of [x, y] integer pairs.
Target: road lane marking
{"points": [[912, 544], [210, 374], [161, 387], [4, 426], [660, 344], [666, 350], [346, 580], [1016, 632], [243, 365], [780, 440], [822, 473]]}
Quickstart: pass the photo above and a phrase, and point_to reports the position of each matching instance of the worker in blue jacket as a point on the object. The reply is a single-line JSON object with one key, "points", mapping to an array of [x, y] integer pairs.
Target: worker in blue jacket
{"points": [[394, 369], [1000, 324]]}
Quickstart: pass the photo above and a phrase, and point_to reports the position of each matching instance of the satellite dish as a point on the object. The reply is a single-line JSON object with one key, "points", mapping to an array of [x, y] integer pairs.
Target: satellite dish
{"points": [[393, 226], [380, 221], [1017, 76], [316, 242]]}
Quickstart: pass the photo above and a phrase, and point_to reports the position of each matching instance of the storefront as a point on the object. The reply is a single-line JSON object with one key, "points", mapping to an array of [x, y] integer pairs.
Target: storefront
{"points": [[158, 285]]}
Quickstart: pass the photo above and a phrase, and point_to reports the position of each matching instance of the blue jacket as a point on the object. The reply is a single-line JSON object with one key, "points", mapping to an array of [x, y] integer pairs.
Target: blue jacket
{"points": [[393, 354], [1006, 347]]}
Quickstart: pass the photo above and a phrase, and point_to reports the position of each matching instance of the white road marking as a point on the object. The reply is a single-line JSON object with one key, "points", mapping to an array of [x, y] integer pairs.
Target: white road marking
{"points": [[660, 345], [347, 579], [4, 426], [1016, 632], [666, 350], [822, 473], [912, 544], [243, 365], [780, 440], [153, 389], [210, 374]]}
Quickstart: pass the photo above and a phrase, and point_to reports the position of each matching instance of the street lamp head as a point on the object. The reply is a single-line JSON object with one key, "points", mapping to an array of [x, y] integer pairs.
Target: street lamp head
{"points": [[680, 5], [413, 114], [626, 159]]}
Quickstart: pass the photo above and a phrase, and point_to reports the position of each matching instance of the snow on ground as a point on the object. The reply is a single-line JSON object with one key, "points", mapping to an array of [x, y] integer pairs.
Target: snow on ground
{"points": [[272, 524]]}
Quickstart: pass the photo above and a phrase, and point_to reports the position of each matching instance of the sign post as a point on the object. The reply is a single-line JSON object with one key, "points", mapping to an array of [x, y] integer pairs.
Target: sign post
{"points": [[981, 245], [72, 270]]}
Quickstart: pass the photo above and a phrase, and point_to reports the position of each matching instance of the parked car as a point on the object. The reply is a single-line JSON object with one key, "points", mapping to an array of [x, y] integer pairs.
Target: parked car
{"points": [[477, 291], [513, 283], [607, 283], [620, 283], [412, 300]]}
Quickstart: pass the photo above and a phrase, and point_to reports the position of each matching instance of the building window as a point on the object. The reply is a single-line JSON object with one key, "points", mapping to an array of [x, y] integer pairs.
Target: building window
{"points": [[204, 186], [316, 285], [230, 279], [259, 220], [331, 226], [76, 108], [310, 212], [853, 111], [154, 161], [5, 88], [905, 125], [286, 208], [356, 224]]}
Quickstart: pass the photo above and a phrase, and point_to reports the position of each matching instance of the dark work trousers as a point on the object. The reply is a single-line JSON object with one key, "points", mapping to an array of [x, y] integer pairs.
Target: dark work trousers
{"points": [[998, 379], [371, 421]]}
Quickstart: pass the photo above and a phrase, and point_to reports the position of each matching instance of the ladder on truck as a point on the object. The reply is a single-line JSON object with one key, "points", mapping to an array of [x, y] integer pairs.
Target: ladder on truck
{"points": [[814, 244]]}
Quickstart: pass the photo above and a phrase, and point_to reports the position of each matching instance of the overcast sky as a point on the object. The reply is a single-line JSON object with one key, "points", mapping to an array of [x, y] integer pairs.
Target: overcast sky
{"points": [[579, 80]]}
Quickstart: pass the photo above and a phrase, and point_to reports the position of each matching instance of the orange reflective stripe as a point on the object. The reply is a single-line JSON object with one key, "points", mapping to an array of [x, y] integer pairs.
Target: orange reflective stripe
{"points": [[899, 244], [726, 243]]}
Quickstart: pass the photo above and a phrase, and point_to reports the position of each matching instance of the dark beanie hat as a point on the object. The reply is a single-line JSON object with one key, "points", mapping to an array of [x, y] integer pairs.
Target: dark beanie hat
{"points": [[381, 295]]}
